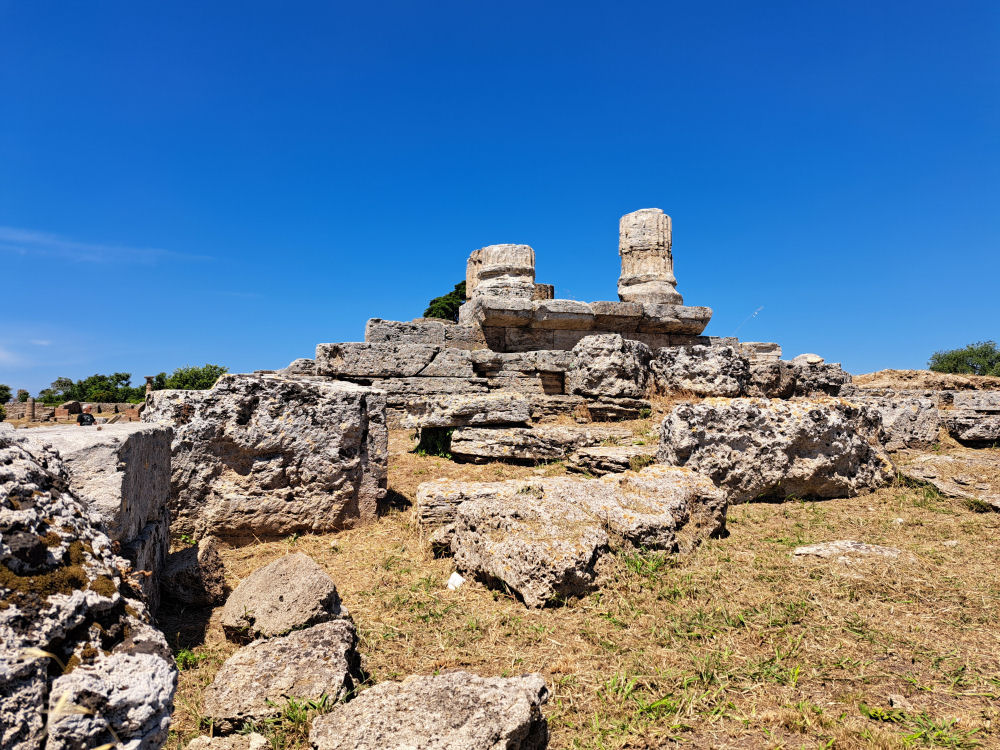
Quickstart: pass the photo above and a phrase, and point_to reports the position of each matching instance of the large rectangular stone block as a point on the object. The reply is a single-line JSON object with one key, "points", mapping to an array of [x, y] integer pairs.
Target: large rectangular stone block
{"points": [[266, 456], [362, 360]]}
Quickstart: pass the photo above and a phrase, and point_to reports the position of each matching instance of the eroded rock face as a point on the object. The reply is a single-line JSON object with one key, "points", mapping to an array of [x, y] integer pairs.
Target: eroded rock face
{"points": [[755, 448], [264, 456], [976, 418], [62, 592], [972, 475], [908, 422], [122, 472], [609, 366], [453, 711], [288, 594], [701, 370], [543, 537], [257, 680], [815, 377], [196, 575]]}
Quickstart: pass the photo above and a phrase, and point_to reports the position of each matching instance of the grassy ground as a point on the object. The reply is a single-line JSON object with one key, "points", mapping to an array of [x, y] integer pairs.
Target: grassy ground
{"points": [[738, 645]]}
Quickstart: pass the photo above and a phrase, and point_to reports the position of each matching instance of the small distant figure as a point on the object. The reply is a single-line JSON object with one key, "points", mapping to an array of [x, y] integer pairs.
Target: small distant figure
{"points": [[86, 418]]}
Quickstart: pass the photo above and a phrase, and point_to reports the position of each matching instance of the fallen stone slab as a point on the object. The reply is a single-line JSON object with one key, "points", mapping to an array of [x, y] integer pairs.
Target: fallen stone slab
{"points": [[454, 710], [846, 551], [64, 601], [288, 594], [618, 409], [256, 681], [542, 442], [122, 471], [260, 456], [196, 575], [969, 475], [701, 370], [543, 537], [611, 459], [761, 448], [461, 410]]}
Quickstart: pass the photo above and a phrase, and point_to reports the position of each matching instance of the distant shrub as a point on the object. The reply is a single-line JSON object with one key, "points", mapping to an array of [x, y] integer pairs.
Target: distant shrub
{"points": [[446, 306], [190, 378], [981, 358], [23, 395]]}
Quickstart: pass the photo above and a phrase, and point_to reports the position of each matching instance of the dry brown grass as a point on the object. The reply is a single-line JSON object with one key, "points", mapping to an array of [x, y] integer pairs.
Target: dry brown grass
{"points": [[737, 645]]}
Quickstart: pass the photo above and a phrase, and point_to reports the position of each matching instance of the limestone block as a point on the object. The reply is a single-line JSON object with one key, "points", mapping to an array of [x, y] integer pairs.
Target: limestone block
{"points": [[542, 442], [256, 681], [251, 741], [616, 317], [770, 379], [617, 409], [501, 270], [264, 456], [496, 524], [760, 350], [817, 378], [544, 291], [357, 360], [760, 448], [450, 363], [973, 427], [290, 593], [421, 331], [845, 551], [551, 406], [453, 710], [702, 370], [981, 401], [609, 366], [399, 390], [546, 360], [464, 409], [567, 339], [610, 459], [972, 475], [500, 312], [300, 367], [522, 339], [666, 318], [563, 314], [52, 543], [908, 422]]}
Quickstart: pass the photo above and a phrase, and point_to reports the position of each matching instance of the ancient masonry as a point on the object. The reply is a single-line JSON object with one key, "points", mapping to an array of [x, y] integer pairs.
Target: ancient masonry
{"points": [[518, 354]]}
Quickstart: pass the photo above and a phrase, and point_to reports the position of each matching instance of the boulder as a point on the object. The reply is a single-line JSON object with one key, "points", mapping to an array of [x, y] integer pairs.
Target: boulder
{"points": [[760, 448], [701, 370], [122, 472], [256, 681], [299, 366], [529, 444], [71, 621], [454, 710], [975, 419], [195, 575], [543, 537], [261, 456], [770, 379], [290, 593], [609, 366]]}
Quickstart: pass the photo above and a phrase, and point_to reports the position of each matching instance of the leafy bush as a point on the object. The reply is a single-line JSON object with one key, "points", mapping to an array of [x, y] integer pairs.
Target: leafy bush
{"points": [[4, 393], [981, 358], [23, 395], [190, 378], [117, 388], [446, 306]]}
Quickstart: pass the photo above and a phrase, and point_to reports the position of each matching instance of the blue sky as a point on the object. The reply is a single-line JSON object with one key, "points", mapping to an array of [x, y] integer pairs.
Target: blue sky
{"points": [[233, 183]]}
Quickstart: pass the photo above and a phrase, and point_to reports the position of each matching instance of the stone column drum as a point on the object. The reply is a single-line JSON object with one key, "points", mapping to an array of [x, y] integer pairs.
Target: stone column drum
{"points": [[501, 271], [647, 275]]}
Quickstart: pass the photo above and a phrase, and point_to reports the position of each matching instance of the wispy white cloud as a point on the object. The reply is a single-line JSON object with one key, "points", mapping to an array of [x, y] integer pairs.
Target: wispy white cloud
{"points": [[41, 342], [9, 358], [28, 242]]}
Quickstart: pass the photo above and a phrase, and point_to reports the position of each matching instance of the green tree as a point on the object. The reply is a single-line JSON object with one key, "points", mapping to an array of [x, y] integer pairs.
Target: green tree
{"points": [[4, 393], [446, 306], [980, 358], [191, 378], [23, 395]]}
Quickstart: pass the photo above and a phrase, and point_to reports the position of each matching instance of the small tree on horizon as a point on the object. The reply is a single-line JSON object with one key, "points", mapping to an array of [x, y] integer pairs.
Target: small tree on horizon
{"points": [[22, 395], [5, 393], [980, 358], [446, 306]]}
